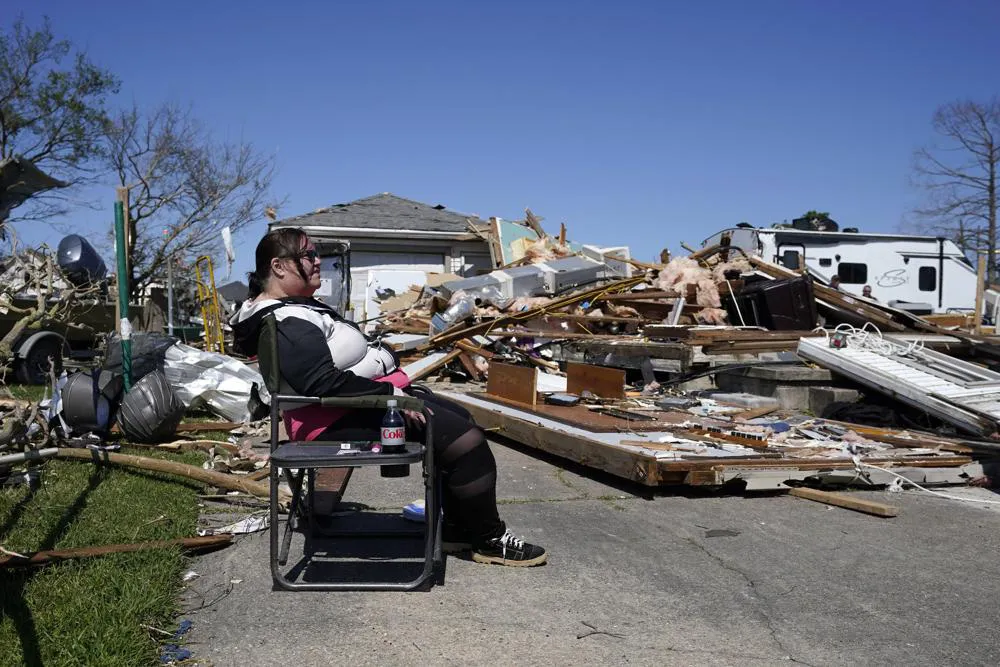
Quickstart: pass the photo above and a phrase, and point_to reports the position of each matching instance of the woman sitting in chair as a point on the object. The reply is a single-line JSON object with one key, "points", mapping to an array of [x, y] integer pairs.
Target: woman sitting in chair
{"points": [[322, 354]]}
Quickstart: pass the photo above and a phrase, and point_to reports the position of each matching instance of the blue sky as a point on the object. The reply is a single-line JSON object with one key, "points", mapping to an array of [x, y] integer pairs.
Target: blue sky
{"points": [[639, 123]]}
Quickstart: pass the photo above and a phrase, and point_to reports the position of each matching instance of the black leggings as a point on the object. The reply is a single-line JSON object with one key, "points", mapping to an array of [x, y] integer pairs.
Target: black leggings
{"points": [[467, 466]]}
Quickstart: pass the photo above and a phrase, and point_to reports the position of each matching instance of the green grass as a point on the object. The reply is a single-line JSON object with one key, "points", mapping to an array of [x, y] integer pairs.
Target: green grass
{"points": [[27, 392], [91, 611]]}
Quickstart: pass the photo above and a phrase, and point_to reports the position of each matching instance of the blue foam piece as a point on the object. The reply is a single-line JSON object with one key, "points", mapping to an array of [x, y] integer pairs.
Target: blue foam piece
{"points": [[414, 511]]}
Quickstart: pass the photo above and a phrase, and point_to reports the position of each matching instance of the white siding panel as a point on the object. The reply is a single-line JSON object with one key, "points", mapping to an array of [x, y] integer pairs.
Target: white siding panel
{"points": [[406, 261], [372, 271]]}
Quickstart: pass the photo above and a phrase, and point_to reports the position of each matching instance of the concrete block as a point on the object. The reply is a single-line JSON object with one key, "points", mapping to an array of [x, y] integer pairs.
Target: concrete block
{"points": [[820, 397], [749, 401], [793, 397]]}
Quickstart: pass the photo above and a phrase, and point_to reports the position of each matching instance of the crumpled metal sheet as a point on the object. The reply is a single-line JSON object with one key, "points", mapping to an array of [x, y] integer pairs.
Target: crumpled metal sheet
{"points": [[212, 379]]}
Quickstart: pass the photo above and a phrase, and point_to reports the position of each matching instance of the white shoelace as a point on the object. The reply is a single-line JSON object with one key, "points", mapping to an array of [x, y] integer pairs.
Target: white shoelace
{"points": [[509, 539]]}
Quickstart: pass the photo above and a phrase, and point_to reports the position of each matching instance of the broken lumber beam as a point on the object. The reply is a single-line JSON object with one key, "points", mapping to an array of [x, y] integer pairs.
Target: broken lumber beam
{"points": [[219, 479], [644, 295], [469, 366], [425, 366], [474, 348], [457, 333], [56, 555], [534, 223], [845, 501]]}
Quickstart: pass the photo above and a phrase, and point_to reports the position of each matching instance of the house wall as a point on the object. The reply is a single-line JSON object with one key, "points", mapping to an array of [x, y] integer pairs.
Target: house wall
{"points": [[384, 263]]}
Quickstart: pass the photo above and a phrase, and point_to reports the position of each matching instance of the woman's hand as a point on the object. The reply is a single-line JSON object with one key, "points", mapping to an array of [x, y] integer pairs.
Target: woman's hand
{"points": [[415, 418]]}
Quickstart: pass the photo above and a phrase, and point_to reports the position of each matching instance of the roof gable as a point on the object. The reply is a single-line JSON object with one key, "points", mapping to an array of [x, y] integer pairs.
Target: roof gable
{"points": [[384, 211]]}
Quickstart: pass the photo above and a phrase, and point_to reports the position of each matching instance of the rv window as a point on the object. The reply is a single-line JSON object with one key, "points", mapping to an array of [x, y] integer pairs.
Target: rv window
{"points": [[825, 261], [927, 278], [852, 273], [790, 260]]}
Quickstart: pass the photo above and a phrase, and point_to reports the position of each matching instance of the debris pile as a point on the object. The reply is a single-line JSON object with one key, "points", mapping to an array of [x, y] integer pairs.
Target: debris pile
{"points": [[716, 312]]}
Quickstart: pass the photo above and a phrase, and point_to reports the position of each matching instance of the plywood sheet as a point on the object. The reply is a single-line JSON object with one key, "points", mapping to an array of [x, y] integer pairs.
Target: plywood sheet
{"points": [[599, 380], [512, 383]]}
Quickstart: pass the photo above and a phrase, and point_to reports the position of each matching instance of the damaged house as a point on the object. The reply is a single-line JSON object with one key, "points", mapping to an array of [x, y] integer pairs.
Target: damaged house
{"points": [[393, 243]]}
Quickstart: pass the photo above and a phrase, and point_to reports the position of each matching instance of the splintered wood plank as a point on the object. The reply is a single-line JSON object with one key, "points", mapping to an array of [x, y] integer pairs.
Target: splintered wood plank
{"points": [[521, 427], [514, 383], [845, 501], [469, 366], [599, 380], [427, 365]]}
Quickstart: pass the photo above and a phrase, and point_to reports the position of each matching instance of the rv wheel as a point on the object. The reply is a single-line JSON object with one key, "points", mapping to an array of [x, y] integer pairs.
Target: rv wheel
{"points": [[34, 368]]}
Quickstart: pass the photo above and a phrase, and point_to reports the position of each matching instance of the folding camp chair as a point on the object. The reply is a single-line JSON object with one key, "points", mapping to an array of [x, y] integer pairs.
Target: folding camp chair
{"points": [[297, 462]]}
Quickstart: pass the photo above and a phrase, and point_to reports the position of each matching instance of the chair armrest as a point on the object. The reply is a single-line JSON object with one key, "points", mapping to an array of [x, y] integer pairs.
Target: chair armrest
{"points": [[352, 402], [381, 401]]}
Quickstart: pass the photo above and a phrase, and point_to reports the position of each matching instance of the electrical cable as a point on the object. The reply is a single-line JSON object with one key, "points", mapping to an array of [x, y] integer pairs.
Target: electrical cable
{"points": [[858, 464]]}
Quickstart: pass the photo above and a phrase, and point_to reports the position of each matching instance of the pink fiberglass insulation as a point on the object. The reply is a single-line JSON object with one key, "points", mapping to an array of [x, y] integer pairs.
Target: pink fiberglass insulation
{"points": [[683, 271]]}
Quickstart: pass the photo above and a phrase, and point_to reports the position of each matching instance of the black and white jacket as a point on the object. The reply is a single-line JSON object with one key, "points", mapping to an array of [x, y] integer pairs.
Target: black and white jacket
{"points": [[319, 352]]}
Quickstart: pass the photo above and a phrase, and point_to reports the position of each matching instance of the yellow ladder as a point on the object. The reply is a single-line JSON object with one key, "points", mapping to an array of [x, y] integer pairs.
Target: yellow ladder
{"points": [[208, 299]]}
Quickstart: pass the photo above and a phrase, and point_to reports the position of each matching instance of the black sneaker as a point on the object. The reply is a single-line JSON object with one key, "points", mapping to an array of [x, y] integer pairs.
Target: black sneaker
{"points": [[509, 550]]}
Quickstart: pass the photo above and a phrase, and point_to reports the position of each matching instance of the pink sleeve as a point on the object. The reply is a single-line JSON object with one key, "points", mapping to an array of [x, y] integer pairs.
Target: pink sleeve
{"points": [[397, 379]]}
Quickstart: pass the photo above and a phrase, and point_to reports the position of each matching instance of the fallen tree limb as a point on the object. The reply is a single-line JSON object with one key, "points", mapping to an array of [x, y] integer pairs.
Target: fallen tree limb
{"points": [[221, 480], [56, 555]]}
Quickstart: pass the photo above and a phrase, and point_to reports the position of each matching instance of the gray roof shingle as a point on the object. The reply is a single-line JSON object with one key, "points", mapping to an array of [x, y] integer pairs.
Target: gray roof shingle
{"points": [[385, 211]]}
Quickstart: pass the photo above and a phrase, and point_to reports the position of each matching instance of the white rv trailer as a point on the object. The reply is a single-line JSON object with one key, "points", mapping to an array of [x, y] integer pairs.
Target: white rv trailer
{"points": [[922, 274]]}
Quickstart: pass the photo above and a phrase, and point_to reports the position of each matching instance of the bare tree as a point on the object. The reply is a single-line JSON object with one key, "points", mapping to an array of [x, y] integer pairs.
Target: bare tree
{"points": [[185, 187], [51, 113], [959, 173]]}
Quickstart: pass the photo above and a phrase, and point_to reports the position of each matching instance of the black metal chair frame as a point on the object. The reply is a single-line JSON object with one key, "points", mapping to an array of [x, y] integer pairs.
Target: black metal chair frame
{"points": [[305, 457]]}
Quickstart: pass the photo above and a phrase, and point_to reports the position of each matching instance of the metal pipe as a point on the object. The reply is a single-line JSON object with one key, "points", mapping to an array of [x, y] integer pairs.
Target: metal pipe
{"points": [[30, 455], [123, 290]]}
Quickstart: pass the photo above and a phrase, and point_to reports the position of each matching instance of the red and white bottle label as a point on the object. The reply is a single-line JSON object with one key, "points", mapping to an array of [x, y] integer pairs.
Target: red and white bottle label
{"points": [[393, 436]]}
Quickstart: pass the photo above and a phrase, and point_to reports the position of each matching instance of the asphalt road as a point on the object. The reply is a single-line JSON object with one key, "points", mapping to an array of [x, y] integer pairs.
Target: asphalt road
{"points": [[671, 580]]}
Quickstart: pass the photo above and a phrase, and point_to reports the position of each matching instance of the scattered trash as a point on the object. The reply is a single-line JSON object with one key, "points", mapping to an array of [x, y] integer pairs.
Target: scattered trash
{"points": [[174, 653], [251, 524]]}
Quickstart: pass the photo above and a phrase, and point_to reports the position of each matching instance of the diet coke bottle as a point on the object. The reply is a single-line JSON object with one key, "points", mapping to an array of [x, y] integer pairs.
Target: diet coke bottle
{"points": [[393, 440]]}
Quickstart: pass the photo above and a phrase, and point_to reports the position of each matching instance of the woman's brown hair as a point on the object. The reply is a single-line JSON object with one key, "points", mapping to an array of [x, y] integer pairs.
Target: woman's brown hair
{"points": [[286, 242]]}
